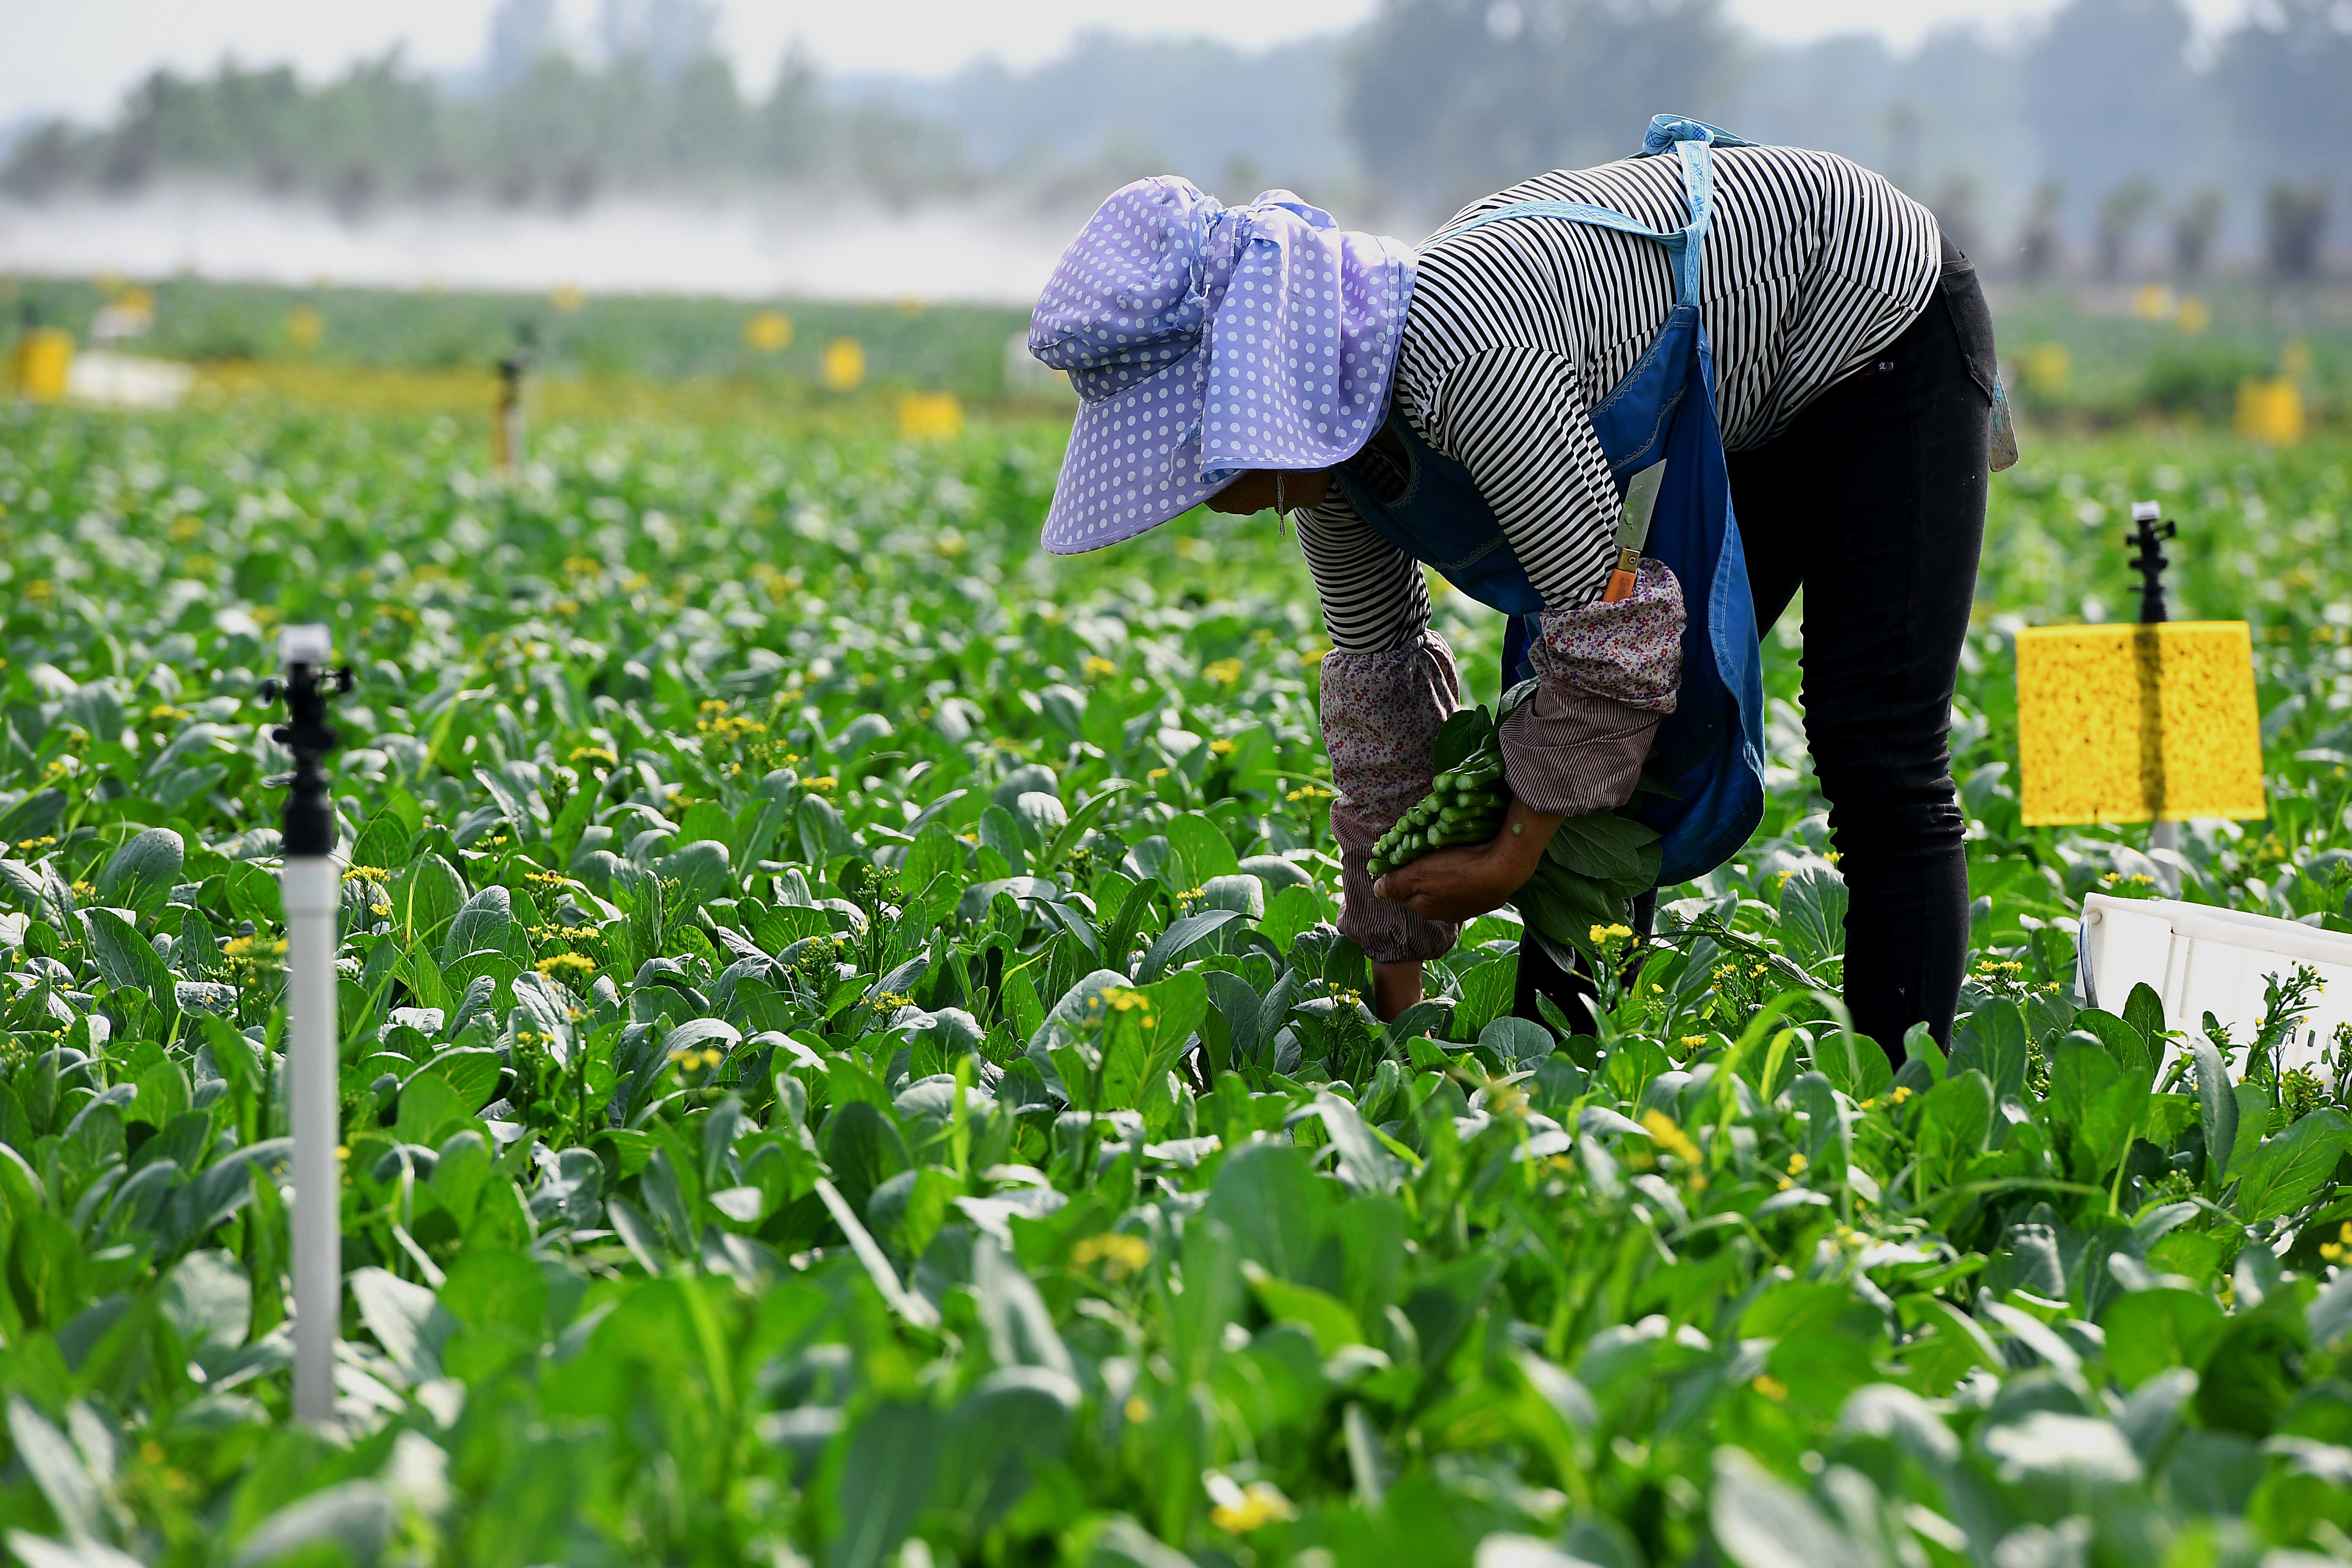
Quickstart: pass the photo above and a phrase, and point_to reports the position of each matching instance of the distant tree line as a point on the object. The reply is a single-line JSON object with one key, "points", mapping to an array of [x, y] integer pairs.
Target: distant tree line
{"points": [[2098, 144], [2094, 144], [538, 128]]}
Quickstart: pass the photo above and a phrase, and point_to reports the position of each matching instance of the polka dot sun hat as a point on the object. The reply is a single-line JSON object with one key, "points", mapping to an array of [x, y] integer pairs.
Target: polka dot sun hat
{"points": [[1205, 340]]}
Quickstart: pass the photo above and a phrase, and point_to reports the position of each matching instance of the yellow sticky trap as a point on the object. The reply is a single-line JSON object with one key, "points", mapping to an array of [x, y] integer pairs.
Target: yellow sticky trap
{"points": [[2134, 724], [2271, 411], [41, 363], [844, 365], [769, 331], [930, 415]]}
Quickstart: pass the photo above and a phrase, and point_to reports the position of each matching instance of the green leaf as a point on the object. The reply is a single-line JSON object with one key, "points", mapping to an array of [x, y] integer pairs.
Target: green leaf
{"points": [[1324, 1316], [1290, 911], [1267, 1195], [1486, 991], [1993, 1040], [425, 897], [1013, 1420], [384, 843], [1954, 1119], [1518, 1043], [701, 871], [1174, 943], [886, 1479], [1466, 732], [2096, 1104], [1141, 1044], [2125, 1043], [55, 1468], [141, 875], [34, 816], [1608, 847], [1019, 1326], [2287, 1171], [488, 1289], [2217, 1106], [471, 1073], [1856, 1065], [1762, 1523], [2151, 1331], [1198, 851], [481, 924], [1813, 915], [917, 1309], [2144, 1011], [126, 958]]}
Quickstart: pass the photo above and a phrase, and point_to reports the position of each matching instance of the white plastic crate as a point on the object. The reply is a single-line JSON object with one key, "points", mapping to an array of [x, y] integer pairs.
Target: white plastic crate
{"points": [[2202, 960]]}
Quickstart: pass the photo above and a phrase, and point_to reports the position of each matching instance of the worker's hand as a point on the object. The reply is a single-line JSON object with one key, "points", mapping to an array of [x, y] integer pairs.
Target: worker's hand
{"points": [[1395, 987], [1463, 884], [1455, 884]]}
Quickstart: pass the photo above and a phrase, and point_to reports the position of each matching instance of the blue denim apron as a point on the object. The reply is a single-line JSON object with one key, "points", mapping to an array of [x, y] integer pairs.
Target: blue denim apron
{"points": [[1708, 756]]}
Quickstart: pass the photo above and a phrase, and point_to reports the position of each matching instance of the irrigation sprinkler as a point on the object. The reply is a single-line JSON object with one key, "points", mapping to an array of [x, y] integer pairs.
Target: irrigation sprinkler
{"points": [[507, 431], [311, 889], [2147, 536]]}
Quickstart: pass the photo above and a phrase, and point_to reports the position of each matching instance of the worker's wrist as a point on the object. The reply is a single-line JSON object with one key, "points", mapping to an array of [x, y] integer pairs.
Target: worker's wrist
{"points": [[1519, 849], [1395, 986]]}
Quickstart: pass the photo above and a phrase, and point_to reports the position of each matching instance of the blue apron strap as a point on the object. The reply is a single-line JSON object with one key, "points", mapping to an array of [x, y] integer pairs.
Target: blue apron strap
{"points": [[1666, 130]]}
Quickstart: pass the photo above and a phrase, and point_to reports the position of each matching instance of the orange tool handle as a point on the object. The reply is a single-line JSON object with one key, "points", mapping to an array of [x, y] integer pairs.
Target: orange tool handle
{"points": [[1620, 581]]}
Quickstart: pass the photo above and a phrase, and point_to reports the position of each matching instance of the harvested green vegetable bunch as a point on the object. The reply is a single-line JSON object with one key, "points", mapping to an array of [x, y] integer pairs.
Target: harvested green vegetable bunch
{"points": [[1596, 866], [1462, 807]]}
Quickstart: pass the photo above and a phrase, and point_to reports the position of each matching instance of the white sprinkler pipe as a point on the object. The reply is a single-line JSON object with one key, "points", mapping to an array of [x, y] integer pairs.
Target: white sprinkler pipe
{"points": [[312, 889]]}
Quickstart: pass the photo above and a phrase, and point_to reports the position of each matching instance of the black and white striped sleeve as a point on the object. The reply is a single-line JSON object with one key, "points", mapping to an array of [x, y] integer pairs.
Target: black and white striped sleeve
{"points": [[1374, 600], [1516, 418]]}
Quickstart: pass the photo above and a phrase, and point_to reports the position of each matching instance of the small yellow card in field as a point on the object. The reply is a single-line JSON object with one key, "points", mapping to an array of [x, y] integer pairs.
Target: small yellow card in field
{"points": [[2133, 723]]}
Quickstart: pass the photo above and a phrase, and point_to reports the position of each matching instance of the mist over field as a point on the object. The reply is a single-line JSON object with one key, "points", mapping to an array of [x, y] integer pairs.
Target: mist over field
{"points": [[742, 245]]}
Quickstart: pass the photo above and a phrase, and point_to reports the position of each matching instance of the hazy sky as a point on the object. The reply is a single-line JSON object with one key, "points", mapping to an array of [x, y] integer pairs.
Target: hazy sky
{"points": [[78, 56]]}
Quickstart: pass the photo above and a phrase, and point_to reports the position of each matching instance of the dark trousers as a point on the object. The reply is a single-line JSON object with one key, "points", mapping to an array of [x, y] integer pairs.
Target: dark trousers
{"points": [[1873, 501]]}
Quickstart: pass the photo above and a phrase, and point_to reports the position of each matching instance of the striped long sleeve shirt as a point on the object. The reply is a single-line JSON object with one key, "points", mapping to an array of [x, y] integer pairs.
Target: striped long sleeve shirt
{"points": [[1811, 265]]}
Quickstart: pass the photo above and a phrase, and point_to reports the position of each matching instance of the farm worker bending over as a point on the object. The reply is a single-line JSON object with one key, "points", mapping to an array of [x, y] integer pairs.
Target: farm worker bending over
{"points": [[1484, 407]]}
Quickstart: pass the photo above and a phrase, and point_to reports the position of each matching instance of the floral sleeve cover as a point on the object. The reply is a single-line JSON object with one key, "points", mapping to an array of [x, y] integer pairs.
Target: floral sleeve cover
{"points": [[1380, 714], [1607, 674]]}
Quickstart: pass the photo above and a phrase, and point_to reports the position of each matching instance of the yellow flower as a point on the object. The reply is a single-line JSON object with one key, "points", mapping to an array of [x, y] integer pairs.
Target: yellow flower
{"points": [[1120, 1255], [365, 874], [1797, 1163], [1098, 668], [1250, 1508], [1902, 1092], [1220, 748], [1121, 999], [1693, 1040], [1136, 1409], [571, 962], [1155, 775], [1224, 672], [1770, 1387], [1669, 1136], [823, 784], [1308, 791]]}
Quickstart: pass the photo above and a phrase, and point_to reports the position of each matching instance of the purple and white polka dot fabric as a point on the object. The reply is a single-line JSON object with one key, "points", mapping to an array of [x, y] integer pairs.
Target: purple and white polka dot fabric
{"points": [[1205, 340]]}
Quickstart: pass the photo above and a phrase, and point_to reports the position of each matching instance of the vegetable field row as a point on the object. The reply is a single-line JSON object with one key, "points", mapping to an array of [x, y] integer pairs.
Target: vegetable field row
{"points": [[845, 1059]]}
